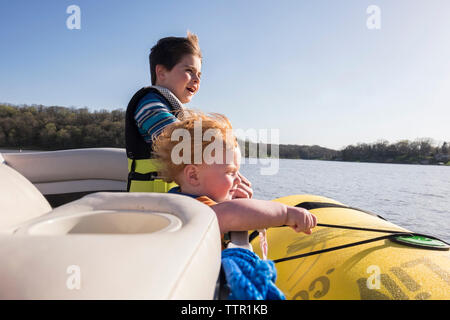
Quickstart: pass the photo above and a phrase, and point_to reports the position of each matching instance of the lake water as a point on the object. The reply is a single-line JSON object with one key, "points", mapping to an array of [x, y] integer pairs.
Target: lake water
{"points": [[416, 197]]}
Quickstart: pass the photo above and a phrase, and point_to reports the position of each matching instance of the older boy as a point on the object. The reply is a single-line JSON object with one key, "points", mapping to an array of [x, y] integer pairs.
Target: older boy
{"points": [[175, 68]]}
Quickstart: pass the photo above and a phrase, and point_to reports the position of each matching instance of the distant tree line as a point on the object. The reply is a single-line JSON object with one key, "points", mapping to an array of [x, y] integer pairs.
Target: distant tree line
{"points": [[288, 151], [54, 128], [420, 151]]}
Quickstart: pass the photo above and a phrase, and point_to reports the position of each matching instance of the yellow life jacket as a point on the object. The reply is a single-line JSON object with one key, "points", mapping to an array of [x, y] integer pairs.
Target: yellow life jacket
{"points": [[142, 169], [142, 175]]}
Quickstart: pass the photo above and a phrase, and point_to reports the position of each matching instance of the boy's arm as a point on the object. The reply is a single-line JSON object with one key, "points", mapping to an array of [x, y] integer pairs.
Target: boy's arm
{"points": [[250, 214], [152, 115]]}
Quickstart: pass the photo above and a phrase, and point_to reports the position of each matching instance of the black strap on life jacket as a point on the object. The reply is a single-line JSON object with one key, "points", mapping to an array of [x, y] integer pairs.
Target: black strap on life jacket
{"points": [[137, 176]]}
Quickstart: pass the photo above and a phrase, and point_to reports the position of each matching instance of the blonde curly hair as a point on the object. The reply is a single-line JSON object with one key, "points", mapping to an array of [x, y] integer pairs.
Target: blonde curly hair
{"points": [[214, 125]]}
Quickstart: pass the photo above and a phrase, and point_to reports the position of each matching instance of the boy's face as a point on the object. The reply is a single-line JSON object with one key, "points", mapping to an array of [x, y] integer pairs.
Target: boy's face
{"points": [[184, 78], [219, 181]]}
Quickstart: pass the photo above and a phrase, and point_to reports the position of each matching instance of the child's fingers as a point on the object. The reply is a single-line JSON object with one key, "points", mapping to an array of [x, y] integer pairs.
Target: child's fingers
{"points": [[314, 220], [243, 191], [311, 220], [298, 229], [244, 180], [302, 220]]}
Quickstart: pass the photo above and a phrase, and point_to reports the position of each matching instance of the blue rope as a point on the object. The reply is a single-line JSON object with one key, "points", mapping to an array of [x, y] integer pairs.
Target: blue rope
{"points": [[249, 277]]}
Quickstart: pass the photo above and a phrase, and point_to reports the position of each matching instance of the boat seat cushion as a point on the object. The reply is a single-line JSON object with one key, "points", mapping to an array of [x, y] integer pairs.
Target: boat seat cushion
{"points": [[20, 200]]}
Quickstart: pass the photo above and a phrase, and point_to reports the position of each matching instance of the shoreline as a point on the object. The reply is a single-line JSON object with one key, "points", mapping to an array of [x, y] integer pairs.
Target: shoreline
{"points": [[22, 150]]}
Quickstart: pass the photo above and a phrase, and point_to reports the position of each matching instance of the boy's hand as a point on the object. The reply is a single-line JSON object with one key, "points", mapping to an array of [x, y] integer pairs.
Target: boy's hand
{"points": [[301, 220], [244, 189]]}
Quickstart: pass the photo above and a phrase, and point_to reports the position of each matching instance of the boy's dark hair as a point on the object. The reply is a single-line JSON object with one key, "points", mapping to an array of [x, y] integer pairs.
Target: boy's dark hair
{"points": [[169, 51]]}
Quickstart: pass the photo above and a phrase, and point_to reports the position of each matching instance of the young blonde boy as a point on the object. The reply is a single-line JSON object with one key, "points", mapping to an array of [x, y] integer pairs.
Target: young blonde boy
{"points": [[208, 172]]}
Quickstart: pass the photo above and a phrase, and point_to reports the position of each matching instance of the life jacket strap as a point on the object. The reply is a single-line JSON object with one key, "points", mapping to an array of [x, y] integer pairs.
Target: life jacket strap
{"points": [[150, 176]]}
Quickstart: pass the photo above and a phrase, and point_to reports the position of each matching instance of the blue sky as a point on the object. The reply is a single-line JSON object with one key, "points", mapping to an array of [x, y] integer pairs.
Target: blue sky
{"points": [[311, 69]]}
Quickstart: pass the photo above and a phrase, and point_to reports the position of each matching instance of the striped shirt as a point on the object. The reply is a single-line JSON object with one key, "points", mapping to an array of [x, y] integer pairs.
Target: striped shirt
{"points": [[152, 115]]}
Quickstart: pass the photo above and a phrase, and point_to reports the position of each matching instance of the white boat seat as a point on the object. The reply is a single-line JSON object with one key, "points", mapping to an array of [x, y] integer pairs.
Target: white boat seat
{"points": [[20, 199], [118, 245], [67, 175]]}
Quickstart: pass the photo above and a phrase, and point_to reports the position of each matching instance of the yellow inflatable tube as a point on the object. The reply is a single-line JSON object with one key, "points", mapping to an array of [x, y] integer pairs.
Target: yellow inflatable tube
{"points": [[358, 266]]}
